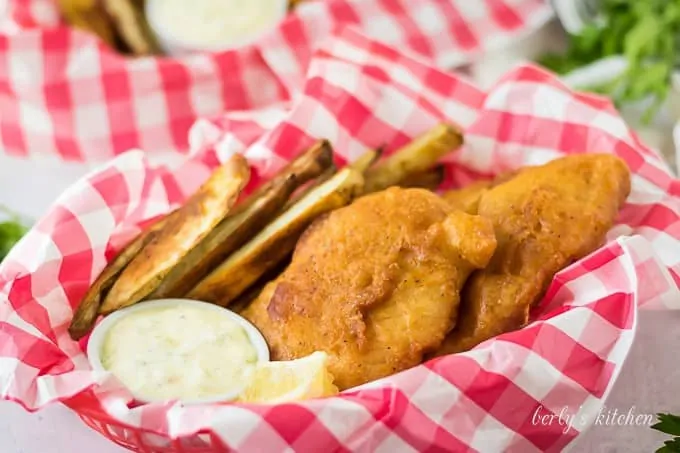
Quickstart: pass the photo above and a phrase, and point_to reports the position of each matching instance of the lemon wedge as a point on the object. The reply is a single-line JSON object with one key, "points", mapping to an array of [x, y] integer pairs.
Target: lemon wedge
{"points": [[294, 380]]}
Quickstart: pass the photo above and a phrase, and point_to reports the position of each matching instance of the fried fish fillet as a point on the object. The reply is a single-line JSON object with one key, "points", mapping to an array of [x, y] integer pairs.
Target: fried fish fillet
{"points": [[375, 284], [545, 218], [467, 198]]}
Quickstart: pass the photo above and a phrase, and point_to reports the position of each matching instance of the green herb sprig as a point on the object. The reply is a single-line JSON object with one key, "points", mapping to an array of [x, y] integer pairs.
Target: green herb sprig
{"points": [[669, 424], [11, 230], [646, 33]]}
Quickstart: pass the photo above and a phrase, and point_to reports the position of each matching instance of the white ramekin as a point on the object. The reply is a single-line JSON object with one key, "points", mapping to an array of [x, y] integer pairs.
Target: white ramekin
{"points": [[98, 336], [173, 46]]}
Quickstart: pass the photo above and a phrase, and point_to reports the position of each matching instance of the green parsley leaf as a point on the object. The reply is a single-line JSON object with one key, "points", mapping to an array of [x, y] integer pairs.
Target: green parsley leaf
{"points": [[646, 33], [669, 424], [10, 232]]}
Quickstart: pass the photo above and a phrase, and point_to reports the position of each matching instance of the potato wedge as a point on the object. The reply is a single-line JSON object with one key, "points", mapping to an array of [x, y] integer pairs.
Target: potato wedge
{"points": [[292, 4], [418, 156], [366, 160], [88, 309], [429, 180], [246, 221], [311, 185], [193, 221], [88, 15], [277, 240], [130, 22], [307, 166], [241, 302]]}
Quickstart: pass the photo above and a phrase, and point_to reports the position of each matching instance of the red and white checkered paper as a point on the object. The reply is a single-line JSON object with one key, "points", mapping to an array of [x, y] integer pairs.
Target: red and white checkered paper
{"points": [[65, 94], [361, 94]]}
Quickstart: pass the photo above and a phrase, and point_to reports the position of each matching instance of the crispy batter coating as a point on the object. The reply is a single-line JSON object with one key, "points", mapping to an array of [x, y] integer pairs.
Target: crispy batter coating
{"points": [[545, 218], [375, 284], [467, 198]]}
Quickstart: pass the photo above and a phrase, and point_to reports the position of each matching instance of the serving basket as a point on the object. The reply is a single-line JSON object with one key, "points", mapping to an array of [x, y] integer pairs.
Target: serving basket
{"points": [[67, 95], [360, 94]]}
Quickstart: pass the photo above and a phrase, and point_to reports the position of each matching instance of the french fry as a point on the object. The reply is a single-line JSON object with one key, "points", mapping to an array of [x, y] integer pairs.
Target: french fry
{"points": [[325, 176], [88, 309], [193, 221], [250, 217], [292, 4], [88, 15], [366, 160], [277, 240], [130, 21], [240, 303], [429, 180], [418, 156]]}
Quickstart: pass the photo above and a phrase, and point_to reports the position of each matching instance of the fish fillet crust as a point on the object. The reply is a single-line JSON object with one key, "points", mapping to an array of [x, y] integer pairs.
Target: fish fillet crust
{"points": [[545, 218], [375, 284]]}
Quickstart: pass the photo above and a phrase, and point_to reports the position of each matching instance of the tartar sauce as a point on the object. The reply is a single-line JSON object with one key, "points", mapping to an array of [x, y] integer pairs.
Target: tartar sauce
{"points": [[213, 23], [179, 352]]}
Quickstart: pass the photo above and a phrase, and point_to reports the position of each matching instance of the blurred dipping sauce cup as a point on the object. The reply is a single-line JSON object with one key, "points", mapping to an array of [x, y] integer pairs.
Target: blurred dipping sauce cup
{"points": [[187, 26]]}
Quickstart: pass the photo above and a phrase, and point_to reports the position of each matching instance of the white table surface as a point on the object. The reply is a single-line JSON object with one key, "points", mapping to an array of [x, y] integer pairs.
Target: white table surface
{"points": [[650, 380]]}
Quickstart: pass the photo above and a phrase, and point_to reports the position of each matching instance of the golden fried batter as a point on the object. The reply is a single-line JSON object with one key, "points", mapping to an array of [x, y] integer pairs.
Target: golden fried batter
{"points": [[467, 198], [375, 284], [545, 218]]}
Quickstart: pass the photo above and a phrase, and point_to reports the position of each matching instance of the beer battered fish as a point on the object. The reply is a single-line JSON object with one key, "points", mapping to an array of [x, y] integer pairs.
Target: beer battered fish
{"points": [[467, 198], [545, 218], [375, 284]]}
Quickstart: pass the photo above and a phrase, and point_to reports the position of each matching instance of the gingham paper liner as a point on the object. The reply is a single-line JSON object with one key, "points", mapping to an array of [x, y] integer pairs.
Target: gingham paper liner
{"points": [[361, 94], [64, 93]]}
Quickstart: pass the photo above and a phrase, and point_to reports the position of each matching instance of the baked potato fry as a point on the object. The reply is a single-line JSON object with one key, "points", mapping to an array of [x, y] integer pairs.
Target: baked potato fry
{"points": [[429, 180], [193, 221], [325, 176], [250, 217], [233, 277], [228, 236], [88, 15], [130, 21], [292, 4], [418, 156], [88, 309], [366, 160], [241, 302]]}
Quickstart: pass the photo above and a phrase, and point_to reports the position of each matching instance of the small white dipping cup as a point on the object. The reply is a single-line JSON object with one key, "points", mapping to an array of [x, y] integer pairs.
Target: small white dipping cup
{"points": [[96, 342], [173, 46]]}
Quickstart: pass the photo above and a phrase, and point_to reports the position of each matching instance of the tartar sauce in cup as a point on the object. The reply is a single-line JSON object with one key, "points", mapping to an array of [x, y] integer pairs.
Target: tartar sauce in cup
{"points": [[183, 26], [178, 350]]}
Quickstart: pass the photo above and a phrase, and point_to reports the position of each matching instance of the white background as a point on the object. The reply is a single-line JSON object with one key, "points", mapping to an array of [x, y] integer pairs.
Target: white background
{"points": [[649, 382]]}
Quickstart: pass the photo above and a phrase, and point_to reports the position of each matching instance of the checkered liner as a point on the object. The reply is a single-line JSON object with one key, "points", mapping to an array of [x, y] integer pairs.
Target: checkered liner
{"points": [[64, 93], [361, 94]]}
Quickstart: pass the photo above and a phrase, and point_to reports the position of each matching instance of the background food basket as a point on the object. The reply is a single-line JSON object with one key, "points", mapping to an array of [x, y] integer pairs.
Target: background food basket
{"points": [[360, 94], [63, 93]]}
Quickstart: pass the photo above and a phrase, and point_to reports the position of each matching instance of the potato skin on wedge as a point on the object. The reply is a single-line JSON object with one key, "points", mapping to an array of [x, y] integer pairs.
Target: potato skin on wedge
{"points": [[430, 180], [418, 156], [133, 29], [89, 15], [88, 309], [273, 244], [194, 221], [247, 219]]}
